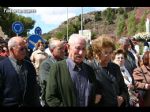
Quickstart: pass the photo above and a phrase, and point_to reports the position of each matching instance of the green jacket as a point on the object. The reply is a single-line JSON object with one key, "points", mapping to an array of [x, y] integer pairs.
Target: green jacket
{"points": [[43, 74], [60, 89]]}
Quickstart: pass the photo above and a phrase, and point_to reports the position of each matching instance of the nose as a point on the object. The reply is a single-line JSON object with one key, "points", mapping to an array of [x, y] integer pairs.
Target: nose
{"points": [[80, 52]]}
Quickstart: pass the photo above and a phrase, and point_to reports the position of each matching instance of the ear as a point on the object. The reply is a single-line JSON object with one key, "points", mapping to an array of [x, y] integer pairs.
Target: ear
{"points": [[52, 50], [96, 56], [11, 49], [67, 46]]}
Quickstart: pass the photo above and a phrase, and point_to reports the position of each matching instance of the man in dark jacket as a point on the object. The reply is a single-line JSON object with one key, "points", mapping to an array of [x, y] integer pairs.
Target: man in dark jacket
{"points": [[18, 86]]}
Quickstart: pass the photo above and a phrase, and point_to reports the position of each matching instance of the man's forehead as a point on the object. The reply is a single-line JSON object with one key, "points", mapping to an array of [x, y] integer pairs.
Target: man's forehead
{"points": [[80, 45]]}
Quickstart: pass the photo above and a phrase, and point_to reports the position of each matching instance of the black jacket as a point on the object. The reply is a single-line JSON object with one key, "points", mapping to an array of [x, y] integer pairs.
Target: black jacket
{"points": [[112, 85]]}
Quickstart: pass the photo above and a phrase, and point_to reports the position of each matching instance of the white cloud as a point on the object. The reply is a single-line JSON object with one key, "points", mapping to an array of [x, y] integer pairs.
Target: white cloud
{"points": [[102, 8], [50, 15], [54, 15]]}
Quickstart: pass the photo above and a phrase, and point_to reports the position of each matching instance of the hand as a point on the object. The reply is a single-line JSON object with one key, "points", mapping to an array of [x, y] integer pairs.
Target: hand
{"points": [[147, 86], [98, 98], [130, 86], [120, 100]]}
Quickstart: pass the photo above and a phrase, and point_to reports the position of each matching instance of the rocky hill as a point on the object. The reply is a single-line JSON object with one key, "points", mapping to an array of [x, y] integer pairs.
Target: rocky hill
{"points": [[97, 26]]}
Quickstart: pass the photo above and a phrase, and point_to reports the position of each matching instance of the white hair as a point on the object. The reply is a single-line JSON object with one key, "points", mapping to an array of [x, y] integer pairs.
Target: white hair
{"points": [[123, 40], [12, 43], [73, 38]]}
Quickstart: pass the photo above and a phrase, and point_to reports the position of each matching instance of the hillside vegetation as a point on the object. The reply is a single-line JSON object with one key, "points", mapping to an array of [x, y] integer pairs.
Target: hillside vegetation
{"points": [[118, 22]]}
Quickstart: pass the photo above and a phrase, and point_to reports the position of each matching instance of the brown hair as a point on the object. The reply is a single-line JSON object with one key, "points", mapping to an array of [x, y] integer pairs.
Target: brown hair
{"points": [[89, 52], [39, 42], [146, 58], [101, 42], [119, 51]]}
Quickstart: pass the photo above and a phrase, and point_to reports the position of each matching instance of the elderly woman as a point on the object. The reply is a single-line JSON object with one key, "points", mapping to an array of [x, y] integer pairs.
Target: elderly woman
{"points": [[142, 78], [119, 59], [108, 74]]}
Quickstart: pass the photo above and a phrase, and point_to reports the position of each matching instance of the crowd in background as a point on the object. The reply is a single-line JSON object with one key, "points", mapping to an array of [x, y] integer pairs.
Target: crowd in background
{"points": [[105, 72]]}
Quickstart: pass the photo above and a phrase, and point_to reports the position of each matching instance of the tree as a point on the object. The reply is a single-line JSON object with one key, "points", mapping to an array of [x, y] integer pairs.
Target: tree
{"points": [[120, 10], [93, 35], [109, 15], [141, 26], [59, 35], [77, 27], [7, 19], [98, 16], [120, 25], [131, 24]]}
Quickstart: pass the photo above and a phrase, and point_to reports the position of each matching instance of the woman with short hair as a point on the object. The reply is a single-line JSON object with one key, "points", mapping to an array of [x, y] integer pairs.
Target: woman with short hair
{"points": [[108, 74], [119, 59]]}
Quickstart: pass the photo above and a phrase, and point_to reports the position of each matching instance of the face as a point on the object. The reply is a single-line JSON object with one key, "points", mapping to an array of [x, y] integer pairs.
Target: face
{"points": [[106, 55], [126, 45], [119, 59], [19, 51], [58, 51], [77, 51], [41, 47]]}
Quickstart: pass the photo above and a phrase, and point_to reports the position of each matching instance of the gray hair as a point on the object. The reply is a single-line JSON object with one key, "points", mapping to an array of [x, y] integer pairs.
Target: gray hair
{"points": [[52, 43], [12, 43], [73, 37], [123, 40]]}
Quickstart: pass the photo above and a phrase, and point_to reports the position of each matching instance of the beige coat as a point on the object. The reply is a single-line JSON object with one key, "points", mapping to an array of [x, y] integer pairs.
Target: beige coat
{"points": [[37, 57], [140, 81]]}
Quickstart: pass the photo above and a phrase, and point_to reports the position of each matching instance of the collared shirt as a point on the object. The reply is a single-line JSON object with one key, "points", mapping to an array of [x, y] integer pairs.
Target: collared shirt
{"points": [[126, 75], [22, 74], [52, 59], [80, 81]]}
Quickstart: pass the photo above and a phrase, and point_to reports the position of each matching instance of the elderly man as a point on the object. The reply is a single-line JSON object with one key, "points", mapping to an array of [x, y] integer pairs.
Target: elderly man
{"points": [[18, 85], [56, 48], [71, 82]]}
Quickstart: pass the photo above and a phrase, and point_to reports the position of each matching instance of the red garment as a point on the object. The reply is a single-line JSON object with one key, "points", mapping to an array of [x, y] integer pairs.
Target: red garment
{"points": [[5, 54]]}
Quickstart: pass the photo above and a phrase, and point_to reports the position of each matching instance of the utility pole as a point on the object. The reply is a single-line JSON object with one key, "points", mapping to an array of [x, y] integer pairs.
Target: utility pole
{"points": [[67, 23], [82, 21]]}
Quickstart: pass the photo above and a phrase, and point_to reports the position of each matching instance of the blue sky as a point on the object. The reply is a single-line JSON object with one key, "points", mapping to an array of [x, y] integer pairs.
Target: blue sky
{"points": [[49, 18]]}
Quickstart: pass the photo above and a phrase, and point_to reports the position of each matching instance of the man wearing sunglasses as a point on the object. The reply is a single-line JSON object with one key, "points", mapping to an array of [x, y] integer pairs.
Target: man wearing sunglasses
{"points": [[18, 85]]}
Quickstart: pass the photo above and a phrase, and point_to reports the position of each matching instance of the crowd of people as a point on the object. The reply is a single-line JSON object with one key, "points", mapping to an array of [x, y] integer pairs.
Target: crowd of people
{"points": [[75, 73]]}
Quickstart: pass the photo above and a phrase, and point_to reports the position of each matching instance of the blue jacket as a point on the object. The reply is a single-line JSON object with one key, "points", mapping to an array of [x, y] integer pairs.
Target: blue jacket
{"points": [[10, 89]]}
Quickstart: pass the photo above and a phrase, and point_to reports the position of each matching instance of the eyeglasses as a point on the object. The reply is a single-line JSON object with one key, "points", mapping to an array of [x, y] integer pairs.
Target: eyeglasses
{"points": [[120, 58], [106, 53]]}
